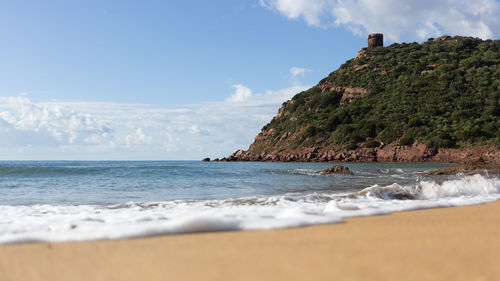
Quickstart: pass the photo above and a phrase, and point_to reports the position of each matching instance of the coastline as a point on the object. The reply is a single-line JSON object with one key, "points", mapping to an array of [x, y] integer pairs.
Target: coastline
{"points": [[417, 152], [458, 243]]}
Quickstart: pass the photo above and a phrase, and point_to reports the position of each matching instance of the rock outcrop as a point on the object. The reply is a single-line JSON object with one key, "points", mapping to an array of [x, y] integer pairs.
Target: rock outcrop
{"points": [[348, 93], [337, 169], [418, 152], [469, 166]]}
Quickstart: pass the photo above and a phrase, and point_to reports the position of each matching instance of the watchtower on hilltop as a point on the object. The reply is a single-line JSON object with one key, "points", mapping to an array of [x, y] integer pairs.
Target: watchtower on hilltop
{"points": [[375, 40]]}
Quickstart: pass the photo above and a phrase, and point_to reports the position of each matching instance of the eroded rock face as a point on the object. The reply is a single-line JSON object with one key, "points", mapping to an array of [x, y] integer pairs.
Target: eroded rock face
{"points": [[360, 53], [469, 166], [337, 169], [418, 152], [349, 93], [442, 38], [348, 97]]}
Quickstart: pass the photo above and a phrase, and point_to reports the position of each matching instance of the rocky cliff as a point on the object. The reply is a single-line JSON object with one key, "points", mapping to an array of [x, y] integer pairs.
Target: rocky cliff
{"points": [[435, 101]]}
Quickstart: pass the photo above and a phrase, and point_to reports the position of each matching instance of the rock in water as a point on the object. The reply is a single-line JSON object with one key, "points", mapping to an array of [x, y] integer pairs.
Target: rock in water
{"points": [[468, 167], [337, 169], [206, 159]]}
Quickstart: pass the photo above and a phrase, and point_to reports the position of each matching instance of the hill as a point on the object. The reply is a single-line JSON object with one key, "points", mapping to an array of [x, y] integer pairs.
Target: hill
{"points": [[435, 101]]}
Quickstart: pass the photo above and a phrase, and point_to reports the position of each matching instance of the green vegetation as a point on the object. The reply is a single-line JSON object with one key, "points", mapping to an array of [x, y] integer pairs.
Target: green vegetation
{"points": [[445, 93]]}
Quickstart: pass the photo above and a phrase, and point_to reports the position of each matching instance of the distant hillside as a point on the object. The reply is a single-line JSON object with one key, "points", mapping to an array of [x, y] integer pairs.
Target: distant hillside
{"points": [[419, 100]]}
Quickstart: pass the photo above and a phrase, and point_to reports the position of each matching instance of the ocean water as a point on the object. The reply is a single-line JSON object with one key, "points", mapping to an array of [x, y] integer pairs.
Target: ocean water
{"points": [[84, 200]]}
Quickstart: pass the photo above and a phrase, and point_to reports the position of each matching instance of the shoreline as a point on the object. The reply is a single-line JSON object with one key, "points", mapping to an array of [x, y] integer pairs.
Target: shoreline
{"points": [[415, 153], [456, 243]]}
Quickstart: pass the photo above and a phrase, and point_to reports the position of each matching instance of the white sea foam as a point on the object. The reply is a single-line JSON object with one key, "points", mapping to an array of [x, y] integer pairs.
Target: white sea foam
{"points": [[54, 223], [306, 172]]}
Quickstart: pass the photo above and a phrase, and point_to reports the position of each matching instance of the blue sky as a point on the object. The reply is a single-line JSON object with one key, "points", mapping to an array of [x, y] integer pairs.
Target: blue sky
{"points": [[159, 52], [184, 79]]}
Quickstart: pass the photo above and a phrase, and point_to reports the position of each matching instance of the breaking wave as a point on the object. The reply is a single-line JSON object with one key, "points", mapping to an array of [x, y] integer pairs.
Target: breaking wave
{"points": [[466, 186], [54, 223]]}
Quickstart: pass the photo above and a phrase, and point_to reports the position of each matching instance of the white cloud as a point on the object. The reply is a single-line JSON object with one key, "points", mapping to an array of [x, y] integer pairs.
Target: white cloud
{"points": [[310, 10], [137, 138], [242, 93], [297, 71], [65, 126], [398, 20], [99, 130]]}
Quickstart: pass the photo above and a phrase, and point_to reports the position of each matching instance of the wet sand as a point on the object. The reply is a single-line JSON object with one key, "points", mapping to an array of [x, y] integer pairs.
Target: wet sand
{"points": [[461, 243]]}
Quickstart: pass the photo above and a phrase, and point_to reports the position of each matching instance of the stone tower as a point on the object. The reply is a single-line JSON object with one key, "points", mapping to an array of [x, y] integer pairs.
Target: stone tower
{"points": [[375, 40]]}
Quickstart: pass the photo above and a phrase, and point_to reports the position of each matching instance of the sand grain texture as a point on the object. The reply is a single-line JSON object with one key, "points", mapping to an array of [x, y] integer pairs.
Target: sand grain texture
{"points": [[460, 243]]}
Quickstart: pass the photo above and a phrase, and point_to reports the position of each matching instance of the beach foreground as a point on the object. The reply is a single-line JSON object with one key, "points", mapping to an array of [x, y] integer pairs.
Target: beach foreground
{"points": [[461, 243]]}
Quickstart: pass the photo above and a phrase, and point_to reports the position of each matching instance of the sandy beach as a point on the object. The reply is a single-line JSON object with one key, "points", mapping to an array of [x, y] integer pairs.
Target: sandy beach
{"points": [[461, 243]]}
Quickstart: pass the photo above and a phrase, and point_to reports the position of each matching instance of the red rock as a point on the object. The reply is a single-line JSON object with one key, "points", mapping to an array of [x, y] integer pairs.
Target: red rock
{"points": [[337, 169]]}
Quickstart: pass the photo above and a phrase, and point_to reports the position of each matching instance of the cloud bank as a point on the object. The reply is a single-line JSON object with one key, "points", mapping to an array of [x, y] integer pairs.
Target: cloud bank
{"points": [[298, 71], [398, 20], [107, 131]]}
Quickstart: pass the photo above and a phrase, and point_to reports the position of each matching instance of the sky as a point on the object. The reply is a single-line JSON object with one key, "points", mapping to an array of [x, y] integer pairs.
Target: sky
{"points": [[184, 80]]}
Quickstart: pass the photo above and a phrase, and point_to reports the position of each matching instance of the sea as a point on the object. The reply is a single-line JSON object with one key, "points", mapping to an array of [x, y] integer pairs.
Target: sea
{"points": [[55, 201]]}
